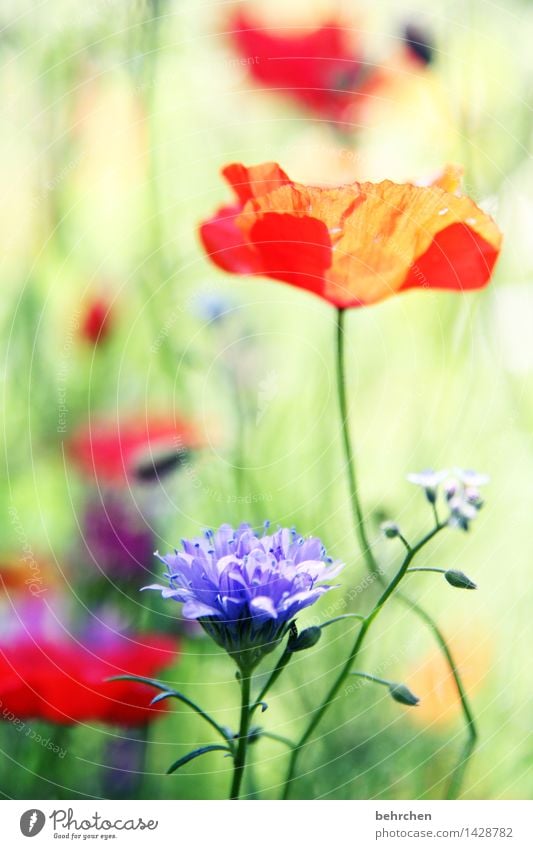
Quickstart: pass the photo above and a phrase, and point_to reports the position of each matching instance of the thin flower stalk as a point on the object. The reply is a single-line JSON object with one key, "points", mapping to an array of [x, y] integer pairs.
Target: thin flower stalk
{"points": [[348, 665]]}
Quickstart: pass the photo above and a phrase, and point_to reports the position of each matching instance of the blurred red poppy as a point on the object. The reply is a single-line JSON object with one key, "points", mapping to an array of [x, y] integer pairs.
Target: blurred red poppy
{"points": [[61, 678], [319, 68], [112, 452], [97, 322], [356, 244], [323, 69]]}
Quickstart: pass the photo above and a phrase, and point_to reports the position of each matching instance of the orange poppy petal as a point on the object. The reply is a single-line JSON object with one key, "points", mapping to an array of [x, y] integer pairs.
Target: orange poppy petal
{"points": [[331, 206], [356, 244], [450, 178], [255, 181], [389, 233]]}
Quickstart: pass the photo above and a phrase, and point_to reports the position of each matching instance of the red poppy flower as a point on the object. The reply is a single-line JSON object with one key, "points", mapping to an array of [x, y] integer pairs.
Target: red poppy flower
{"points": [[356, 244], [62, 679], [97, 322], [112, 451], [320, 68]]}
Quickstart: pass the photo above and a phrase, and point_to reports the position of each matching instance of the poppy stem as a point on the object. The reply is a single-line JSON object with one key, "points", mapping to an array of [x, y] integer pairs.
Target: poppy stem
{"points": [[374, 569], [357, 511], [244, 728]]}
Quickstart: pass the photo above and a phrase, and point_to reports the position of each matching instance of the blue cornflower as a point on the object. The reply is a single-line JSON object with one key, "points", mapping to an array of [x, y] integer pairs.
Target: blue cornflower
{"points": [[246, 589], [212, 306]]}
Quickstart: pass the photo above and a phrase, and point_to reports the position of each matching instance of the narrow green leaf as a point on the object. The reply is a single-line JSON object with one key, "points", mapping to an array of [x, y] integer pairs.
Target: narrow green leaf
{"points": [[168, 693], [195, 754], [150, 681], [161, 696]]}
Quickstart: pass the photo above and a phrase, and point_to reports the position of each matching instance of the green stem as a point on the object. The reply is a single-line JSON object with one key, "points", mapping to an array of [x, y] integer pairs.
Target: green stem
{"points": [[273, 677], [319, 713], [472, 733], [342, 616], [346, 669], [156, 265], [239, 449], [374, 569], [427, 569], [244, 727], [405, 543], [357, 511], [373, 678], [278, 738], [151, 52]]}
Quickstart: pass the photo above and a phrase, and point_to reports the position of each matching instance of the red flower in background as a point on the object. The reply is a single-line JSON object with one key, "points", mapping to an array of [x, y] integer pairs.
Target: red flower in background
{"points": [[61, 678], [113, 452], [322, 69], [319, 69], [97, 322], [356, 244]]}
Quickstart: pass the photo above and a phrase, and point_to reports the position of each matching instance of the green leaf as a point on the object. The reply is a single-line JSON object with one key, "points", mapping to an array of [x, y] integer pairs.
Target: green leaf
{"points": [[150, 681], [168, 693], [174, 694], [196, 754], [161, 696]]}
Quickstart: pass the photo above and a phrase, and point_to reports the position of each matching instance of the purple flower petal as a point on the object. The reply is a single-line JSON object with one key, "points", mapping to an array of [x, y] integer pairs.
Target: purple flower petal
{"points": [[196, 609], [247, 588], [264, 605]]}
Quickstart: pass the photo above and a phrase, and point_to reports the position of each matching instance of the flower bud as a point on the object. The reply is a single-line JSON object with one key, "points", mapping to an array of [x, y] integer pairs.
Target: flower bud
{"points": [[459, 579], [473, 496], [450, 490], [305, 640], [254, 734], [401, 693], [390, 529], [431, 494], [461, 512]]}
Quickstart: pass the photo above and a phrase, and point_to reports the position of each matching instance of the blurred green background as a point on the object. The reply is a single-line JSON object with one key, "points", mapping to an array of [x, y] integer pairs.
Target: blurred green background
{"points": [[114, 129]]}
